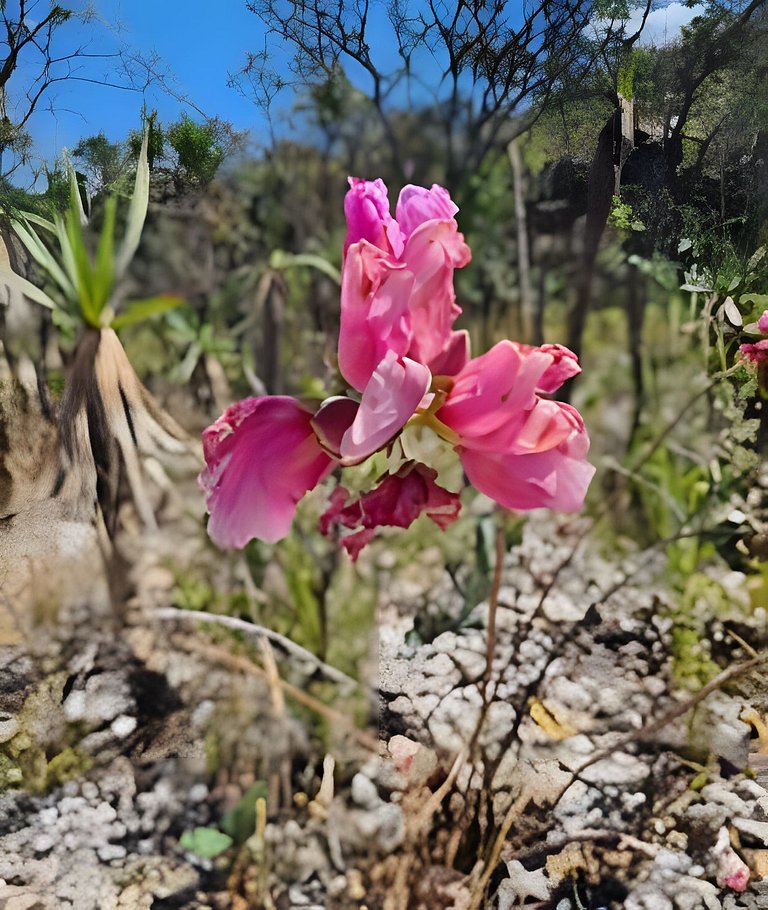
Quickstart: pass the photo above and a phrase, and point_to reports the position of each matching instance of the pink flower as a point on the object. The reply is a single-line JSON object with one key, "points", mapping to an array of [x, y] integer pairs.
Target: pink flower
{"points": [[399, 350], [397, 282], [262, 456], [396, 502], [757, 352], [732, 871], [522, 450]]}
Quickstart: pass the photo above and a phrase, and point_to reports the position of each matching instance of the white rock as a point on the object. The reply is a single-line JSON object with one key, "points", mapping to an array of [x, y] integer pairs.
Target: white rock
{"points": [[364, 792], [123, 725]]}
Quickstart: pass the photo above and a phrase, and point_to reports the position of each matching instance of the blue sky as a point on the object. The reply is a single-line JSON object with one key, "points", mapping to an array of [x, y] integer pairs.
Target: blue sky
{"points": [[199, 43]]}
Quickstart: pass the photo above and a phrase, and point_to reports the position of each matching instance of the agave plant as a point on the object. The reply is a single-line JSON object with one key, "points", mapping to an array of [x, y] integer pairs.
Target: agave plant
{"points": [[86, 288], [107, 419]]}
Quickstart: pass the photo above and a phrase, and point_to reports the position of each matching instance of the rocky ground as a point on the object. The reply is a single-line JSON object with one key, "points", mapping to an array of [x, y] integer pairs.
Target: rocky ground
{"points": [[579, 774]]}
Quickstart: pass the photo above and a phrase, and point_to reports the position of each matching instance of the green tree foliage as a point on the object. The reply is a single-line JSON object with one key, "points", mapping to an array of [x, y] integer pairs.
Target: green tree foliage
{"points": [[198, 146], [103, 162]]}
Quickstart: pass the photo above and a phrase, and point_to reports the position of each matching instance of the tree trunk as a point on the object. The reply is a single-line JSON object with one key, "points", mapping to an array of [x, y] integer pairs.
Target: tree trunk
{"points": [[527, 314], [541, 302], [635, 320], [625, 141], [614, 145], [600, 191]]}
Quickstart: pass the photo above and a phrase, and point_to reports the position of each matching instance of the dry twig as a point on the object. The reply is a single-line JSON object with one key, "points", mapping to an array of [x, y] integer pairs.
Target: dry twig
{"points": [[251, 628]]}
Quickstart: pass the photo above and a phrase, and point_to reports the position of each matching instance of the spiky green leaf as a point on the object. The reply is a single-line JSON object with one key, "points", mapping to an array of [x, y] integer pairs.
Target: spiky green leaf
{"points": [[137, 212], [43, 256], [16, 282], [103, 270], [138, 310]]}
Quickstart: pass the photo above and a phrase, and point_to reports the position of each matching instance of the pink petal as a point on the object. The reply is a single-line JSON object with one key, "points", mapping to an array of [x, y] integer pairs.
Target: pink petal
{"points": [[555, 479], [366, 207], [493, 390], [396, 502], [565, 365], [417, 204], [340, 512], [732, 871], [454, 356], [261, 457], [389, 401], [762, 323], [542, 427], [354, 543], [375, 293], [400, 498], [332, 420], [433, 252]]}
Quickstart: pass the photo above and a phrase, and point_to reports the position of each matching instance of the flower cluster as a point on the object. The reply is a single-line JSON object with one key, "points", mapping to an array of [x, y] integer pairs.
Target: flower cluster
{"points": [[757, 352], [404, 364]]}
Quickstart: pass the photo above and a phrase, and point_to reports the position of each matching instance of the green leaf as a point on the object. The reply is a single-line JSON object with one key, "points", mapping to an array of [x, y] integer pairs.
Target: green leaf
{"points": [[75, 199], [103, 270], [281, 260], [32, 218], [757, 300], [67, 255], [138, 310], [240, 821], [756, 258], [206, 842], [30, 290], [184, 370], [43, 257], [82, 262], [137, 212]]}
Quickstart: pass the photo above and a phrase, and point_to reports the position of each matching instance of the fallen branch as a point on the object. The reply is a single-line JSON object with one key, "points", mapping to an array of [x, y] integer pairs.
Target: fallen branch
{"points": [[235, 662], [250, 628]]}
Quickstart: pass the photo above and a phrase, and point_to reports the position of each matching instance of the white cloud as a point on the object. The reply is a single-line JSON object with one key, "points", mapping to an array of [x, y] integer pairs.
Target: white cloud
{"points": [[663, 24]]}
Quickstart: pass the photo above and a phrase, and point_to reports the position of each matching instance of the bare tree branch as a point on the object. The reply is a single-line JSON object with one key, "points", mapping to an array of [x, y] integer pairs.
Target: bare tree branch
{"points": [[475, 66]]}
